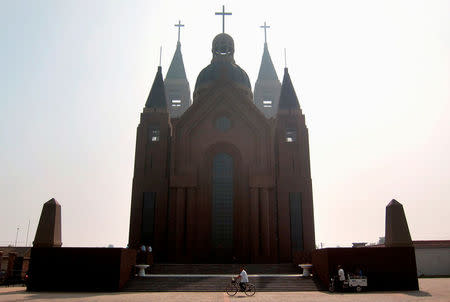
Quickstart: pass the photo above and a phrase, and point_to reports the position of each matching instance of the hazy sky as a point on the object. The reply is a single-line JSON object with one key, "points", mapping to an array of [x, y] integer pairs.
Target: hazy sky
{"points": [[372, 77]]}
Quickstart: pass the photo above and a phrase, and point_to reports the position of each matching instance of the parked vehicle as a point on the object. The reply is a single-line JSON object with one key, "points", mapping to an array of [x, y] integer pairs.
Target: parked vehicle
{"points": [[356, 282]]}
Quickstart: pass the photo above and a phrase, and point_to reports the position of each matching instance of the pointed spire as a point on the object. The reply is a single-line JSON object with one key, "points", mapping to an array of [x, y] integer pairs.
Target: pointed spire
{"points": [[267, 70], [267, 86], [176, 68], [157, 95], [178, 92], [288, 97]]}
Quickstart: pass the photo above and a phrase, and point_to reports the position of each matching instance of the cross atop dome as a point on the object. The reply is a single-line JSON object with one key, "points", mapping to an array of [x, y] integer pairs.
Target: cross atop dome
{"points": [[223, 14]]}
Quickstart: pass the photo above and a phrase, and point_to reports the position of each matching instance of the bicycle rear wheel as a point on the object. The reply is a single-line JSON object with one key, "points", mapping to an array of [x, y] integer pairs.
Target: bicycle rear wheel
{"points": [[231, 290], [250, 290]]}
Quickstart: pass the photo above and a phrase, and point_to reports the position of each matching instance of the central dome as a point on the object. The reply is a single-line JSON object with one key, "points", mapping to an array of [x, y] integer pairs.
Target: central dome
{"points": [[223, 45], [222, 65]]}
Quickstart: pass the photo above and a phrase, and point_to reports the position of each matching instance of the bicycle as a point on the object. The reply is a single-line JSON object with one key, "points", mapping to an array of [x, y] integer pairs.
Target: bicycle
{"points": [[233, 287]]}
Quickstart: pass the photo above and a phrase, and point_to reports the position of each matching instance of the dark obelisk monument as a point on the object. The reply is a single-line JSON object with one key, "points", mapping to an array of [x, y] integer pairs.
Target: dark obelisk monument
{"points": [[397, 231], [48, 233]]}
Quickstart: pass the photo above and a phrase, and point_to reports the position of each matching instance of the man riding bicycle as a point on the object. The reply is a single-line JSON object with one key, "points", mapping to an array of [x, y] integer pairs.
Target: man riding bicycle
{"points": [[244, 286], [243, 279]]}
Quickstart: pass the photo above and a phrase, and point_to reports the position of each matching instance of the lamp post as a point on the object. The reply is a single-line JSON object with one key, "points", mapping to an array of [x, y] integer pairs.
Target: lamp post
{"points": [[17, 234]]}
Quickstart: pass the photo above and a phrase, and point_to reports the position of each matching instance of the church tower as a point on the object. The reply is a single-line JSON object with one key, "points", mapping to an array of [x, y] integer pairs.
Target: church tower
{"points": [[151, 179], [267, 87], [294, 186], [176, 83]]}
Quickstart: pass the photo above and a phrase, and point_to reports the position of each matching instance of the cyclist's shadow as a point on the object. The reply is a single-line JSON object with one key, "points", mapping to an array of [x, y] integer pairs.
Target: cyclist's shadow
{"points": [[240, 296]]}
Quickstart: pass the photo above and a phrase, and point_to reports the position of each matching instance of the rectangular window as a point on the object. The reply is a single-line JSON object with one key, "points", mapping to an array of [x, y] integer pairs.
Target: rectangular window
{"points": [[295, 206], [154, 133], [267, 103], [291, 135], [176, 103], [148, 218]]}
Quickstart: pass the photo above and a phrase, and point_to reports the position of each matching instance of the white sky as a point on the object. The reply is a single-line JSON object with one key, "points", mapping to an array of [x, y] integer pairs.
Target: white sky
{"points": [[373, 80]]}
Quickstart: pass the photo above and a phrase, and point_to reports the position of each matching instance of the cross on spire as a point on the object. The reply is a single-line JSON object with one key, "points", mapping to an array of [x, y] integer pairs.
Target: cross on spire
{"points": [[223, 13], [265, 33], [179, 25]]}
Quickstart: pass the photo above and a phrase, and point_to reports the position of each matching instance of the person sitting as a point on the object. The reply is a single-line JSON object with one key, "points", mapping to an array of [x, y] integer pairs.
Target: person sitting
{"points": [[243, 279]]}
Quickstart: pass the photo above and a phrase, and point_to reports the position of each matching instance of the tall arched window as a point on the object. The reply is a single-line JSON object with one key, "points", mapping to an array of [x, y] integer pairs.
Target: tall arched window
{"points": [[295, 204], [222, 202]]}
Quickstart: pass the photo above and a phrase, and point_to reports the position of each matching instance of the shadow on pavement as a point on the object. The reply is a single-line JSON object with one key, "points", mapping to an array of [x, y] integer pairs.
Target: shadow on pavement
{"points": [[418, 293], [54, 295]]}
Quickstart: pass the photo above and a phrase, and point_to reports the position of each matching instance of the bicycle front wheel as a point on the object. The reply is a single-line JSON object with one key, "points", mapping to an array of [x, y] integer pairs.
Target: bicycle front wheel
{"points": [[231, 290], [250, 290]]}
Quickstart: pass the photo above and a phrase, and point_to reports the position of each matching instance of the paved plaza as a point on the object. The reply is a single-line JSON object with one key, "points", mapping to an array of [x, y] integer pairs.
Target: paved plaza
{"points": [[430, 290]]}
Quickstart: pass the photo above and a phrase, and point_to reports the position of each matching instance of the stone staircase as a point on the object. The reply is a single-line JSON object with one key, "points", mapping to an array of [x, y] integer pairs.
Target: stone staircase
{"points": [[215, 277]]}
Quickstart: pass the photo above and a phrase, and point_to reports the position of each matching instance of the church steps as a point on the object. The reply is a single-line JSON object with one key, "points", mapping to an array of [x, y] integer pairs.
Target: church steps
{"points": [[172, 268], [214, 278], [218, 284]]}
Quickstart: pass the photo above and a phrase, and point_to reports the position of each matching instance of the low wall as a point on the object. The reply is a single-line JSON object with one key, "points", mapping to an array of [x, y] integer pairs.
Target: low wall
{"points": [[386, 268], [80, 269]]}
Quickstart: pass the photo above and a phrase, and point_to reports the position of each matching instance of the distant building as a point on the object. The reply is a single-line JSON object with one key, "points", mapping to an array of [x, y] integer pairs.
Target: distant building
{"points": [[359, 244], [14, 262], [432, 257]]}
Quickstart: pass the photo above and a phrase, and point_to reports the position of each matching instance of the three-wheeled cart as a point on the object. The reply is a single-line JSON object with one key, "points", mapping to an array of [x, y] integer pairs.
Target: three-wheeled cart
{"points": [[357, 282]]}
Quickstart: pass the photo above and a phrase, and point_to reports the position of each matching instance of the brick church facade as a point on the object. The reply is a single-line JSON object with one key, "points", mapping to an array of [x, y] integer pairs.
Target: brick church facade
{"points": [[226, 177]]}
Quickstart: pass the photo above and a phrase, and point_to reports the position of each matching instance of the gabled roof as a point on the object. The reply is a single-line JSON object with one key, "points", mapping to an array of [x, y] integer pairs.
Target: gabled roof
{"points": [[157, 95], [267, 70], [288, 97], [176, 69], [220, 93]]}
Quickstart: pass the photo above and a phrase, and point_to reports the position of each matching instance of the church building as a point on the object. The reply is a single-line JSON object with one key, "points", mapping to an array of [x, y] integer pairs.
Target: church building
{"points": [[225, 178]]}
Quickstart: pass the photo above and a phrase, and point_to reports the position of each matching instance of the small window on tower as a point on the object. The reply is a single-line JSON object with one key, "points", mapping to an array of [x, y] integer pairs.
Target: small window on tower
{"points": [[176, 103], [291, 135], [267, 103], [154, 133]]}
